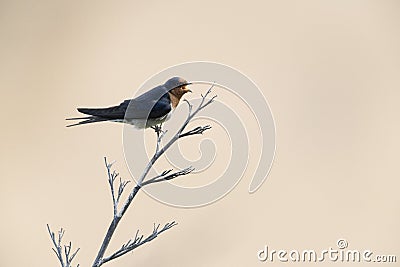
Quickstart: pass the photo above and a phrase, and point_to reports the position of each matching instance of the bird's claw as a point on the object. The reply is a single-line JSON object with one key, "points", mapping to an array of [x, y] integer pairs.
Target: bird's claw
{"points": [[157, 128]]}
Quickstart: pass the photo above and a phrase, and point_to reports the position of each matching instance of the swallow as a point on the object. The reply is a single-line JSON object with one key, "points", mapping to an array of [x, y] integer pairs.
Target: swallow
{"points": [[147, 110]]}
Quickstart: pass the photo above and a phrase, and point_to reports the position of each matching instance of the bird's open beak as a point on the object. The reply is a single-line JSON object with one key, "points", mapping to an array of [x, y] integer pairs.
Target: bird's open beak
{"points": [[187, 89]]}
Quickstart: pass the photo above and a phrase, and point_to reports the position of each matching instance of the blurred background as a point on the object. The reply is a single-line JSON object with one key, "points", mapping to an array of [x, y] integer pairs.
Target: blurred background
{"points": [[330, 71]]}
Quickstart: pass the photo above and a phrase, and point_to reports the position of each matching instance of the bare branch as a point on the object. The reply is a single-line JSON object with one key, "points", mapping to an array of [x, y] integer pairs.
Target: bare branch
{"points": [[164, 177], [190, 106], [164, 173], [122, 185], [112, 175], [138, 241], [58, 250], [111, 179], [197, 130]]}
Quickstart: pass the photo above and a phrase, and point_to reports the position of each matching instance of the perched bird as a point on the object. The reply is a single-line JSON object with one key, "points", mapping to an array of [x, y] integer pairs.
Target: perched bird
{"points": [[147, 110]]}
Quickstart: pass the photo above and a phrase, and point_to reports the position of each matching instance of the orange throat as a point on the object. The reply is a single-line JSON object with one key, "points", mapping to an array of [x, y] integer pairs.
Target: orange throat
{"points": [[174, 99]]}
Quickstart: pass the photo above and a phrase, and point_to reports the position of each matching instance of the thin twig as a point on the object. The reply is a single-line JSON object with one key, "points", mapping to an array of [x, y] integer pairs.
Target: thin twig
{"points": [[58, 249], [138, 241], [112, 175], [197, 130], [164, 177]]}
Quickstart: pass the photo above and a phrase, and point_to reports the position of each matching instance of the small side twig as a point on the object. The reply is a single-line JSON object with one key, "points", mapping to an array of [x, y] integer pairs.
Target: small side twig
{"points": [[197, 130], [112, 175], [165, 176], [138, 241], [58, 248]]}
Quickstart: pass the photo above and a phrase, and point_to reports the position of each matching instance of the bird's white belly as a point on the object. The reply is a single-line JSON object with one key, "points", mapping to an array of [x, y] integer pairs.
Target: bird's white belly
{"points": [[142, 123]]}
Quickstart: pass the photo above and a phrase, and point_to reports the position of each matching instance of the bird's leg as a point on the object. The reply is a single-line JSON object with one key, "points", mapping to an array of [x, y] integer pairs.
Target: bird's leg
{"points": [[157, 128], [160, 134]]}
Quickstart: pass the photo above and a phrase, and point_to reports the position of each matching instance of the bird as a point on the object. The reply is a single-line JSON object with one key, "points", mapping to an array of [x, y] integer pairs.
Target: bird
{"points": [[149, 109]]}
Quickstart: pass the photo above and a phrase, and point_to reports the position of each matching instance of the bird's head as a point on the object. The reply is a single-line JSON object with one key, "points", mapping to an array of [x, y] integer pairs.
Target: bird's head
{"points": [[177, 86]]}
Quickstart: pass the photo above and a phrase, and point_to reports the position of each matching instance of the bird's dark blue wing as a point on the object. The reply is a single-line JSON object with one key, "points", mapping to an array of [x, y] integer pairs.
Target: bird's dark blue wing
{"points": [[161, 108], [152, 104], [148, 108]]}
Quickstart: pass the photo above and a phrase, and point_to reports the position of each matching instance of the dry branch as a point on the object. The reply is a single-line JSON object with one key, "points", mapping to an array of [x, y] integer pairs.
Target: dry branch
{"points": [[65, 257]]}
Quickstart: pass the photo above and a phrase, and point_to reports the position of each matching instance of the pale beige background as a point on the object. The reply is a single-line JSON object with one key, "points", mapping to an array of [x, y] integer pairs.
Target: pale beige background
{"points": [[329, 69]]}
